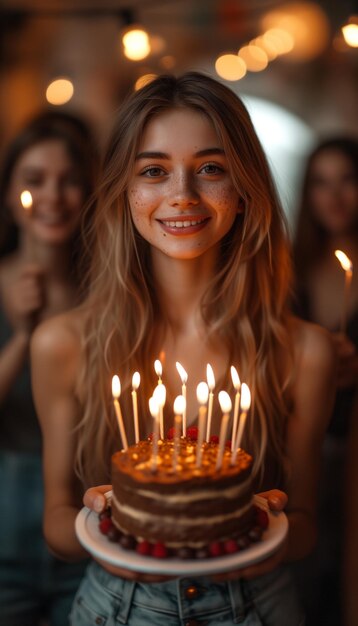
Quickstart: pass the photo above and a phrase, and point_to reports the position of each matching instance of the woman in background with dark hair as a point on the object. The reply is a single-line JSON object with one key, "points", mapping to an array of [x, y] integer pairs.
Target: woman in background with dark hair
{"points": [[53, 158], [328, 220]]}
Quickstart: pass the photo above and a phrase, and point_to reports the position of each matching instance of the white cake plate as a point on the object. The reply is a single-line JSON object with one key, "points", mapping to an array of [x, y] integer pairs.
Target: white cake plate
{"points": [[99, 546]]}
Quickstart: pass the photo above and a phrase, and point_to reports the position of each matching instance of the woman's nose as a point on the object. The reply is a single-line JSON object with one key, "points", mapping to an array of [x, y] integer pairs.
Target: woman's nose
{"points": [[183, 191], [53, 191]]}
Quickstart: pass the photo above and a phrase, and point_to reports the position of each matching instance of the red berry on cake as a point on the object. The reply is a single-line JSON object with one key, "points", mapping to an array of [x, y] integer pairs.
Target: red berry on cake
{"points": [[105, 524], [214, 439], [144, 548], [171, 433], [159, 551], [192, 433], [150, 436], [216, 548], [230, 546], [228, 443]]}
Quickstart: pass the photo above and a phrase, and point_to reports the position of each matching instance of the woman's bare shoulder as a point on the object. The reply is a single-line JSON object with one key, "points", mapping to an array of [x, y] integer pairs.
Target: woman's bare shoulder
{"points": [[58, 338], [313, 344]]}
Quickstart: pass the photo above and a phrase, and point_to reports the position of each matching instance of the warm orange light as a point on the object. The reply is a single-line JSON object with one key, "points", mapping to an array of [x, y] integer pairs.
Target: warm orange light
{"points": [[350, 34], [230, 67], [136, 44], [255, 58], [345, 261], [26, 199], [59, 91], [307, 24]]}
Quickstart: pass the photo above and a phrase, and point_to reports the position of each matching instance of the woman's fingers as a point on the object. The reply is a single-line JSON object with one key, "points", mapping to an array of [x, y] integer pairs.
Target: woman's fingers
{"points": [[276, 499], [95, 499]]}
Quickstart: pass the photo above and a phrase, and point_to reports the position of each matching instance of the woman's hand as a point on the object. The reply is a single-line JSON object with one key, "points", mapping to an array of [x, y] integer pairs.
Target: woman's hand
{"points": [[95, 499], [24, 298]]}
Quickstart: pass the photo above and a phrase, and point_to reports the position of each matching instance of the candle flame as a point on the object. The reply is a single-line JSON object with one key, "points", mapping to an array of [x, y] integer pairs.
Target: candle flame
{"points": [[116, 386], [160, 394], [210, 377], [158, 368], [235, 378], [182, 373], [345, 262], [26, 199], [245, 397], [225, 402], [202, 393], [135, 381], [179, 405], [153, 407]]}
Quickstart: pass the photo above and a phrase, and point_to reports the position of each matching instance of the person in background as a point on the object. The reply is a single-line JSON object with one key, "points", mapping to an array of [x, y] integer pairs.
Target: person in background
{"points": [[190, 257], [54, 158], [327, 221]]}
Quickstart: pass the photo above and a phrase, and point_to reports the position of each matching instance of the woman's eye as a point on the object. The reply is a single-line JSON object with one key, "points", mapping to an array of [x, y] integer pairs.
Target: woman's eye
{"points": [[152, 172], [211, 168]]}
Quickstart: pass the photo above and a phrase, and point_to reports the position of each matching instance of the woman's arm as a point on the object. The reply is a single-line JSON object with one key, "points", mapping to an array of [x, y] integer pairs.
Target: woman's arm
{"points": [[314, 393], [21, 298], [55, 352]]}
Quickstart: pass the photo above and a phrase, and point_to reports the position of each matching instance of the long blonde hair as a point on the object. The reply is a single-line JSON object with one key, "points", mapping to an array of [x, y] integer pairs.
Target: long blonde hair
{"points": [[245, 303]]}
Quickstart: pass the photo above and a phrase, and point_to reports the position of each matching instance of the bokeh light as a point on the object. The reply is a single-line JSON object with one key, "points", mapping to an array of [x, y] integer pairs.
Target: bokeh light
{"points": [[350, 34], [59, 91], [254, 57], [136, 44], [307, 24], [230, 67]]}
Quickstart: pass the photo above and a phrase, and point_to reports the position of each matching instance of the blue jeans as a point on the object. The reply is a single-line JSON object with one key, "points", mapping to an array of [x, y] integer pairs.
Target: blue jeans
{"points": [[33, 583], [105, 600]]}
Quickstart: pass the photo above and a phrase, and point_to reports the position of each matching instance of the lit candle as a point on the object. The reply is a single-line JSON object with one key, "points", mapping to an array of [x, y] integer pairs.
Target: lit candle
{"points": [[179, 408], [154, 411], [202, 394], [211, 384], [160, 394], [225, 405], [347, 265], [135, 385], [158, 370], [245, 404], [184, 379], [237, 384], [116, 392], [26, 201]]}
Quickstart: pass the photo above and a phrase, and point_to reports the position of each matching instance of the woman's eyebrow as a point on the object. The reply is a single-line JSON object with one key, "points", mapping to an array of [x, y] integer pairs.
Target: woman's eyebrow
{"points": [[152, 155], [163, 155]]}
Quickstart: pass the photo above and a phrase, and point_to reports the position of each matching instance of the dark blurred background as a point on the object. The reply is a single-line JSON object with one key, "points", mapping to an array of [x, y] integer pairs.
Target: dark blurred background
{"points": [[300, 84]]}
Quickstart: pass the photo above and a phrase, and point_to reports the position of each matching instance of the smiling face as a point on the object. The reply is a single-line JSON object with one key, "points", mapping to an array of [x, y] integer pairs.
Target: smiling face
{"points": [[48, 172], [182, 197], [333, 191]]}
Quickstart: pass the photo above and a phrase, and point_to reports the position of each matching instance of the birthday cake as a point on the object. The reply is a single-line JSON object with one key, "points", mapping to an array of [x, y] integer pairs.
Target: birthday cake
{"points": [[182, 509]]}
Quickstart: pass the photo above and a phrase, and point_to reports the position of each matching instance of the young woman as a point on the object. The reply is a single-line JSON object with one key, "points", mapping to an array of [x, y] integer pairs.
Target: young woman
{"points": [[328, 220], [53, 159], [189, 258]]}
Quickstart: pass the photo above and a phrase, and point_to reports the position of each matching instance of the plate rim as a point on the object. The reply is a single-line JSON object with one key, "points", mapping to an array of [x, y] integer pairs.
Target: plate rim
{"points": [[99, 546]]}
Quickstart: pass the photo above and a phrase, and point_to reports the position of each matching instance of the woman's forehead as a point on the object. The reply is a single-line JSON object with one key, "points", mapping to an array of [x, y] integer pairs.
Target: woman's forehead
{"points": [[177, 128]]}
